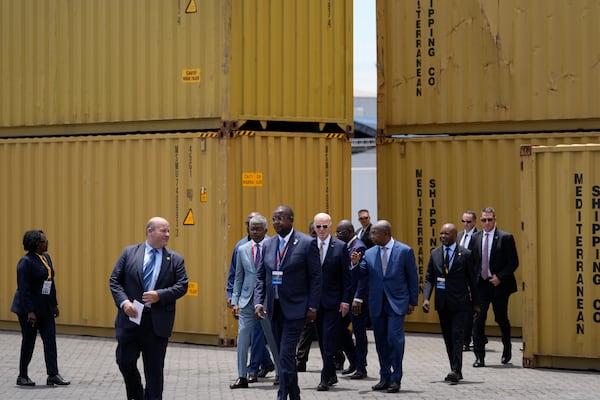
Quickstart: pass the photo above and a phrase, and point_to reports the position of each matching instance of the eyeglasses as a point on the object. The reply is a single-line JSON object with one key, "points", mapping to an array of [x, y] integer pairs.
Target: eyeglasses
{"points": [[487, 219], [363, 218], [321, 226], [466, 221]]}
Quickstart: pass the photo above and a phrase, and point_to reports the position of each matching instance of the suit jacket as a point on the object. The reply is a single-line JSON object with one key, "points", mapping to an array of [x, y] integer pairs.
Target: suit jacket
{"points": [[400, 283], [366, 239], [31, 274], [460, 236], [232, 266], [460, 281], [335, 275], [245, 276], [126, 283], [301, 284], [360, 280], [503, 261]]}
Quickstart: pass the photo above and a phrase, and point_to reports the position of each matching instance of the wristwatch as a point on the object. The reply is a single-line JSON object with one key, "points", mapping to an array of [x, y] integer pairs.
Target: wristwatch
{"points": [[312, 309]]}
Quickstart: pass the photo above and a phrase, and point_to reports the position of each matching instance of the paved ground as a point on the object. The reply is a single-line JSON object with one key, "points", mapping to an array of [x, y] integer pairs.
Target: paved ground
{"points": [[205, 372]]}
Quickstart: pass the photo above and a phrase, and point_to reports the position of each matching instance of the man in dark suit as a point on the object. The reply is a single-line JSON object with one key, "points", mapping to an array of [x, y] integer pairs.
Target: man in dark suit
{"points": [[469, 220], [288, 291], [393, 293], [151, 274], [335, 296], [496, 261], [451, 272], [359, 315], [364, 232]]}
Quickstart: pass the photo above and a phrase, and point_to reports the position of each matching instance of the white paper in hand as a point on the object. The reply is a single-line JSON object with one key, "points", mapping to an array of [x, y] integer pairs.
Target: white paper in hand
{"points": [[139, 307]]}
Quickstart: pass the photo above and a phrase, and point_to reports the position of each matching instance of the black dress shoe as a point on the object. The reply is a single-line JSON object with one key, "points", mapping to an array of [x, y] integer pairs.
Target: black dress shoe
{"points": [[479, 363], [349, 370], [264, 371], [506, 355], [453, 377], [301, 366], [56, 380], [381, 386], [323, 387], [359, 375], [241, 383], [276, 381], [252, 377], [25, 381], [332, 381], [393, 388]]}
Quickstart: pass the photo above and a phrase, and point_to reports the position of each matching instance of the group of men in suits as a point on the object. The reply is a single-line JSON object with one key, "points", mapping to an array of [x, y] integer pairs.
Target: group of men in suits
{"points": [[469, 272]]}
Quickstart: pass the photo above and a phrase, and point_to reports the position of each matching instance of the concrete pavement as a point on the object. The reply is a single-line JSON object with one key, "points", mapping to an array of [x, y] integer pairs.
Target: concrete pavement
{"points": [[205, 372]]}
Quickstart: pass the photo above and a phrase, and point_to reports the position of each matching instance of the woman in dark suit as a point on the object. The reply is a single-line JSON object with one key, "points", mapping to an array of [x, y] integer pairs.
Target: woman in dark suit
{"points": [[36, 306]]}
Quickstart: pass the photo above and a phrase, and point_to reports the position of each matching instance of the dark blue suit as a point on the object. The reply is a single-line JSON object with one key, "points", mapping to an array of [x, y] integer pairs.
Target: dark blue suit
{"points": [[389, 298], [151, 337], [299, 290], [336, 289]]}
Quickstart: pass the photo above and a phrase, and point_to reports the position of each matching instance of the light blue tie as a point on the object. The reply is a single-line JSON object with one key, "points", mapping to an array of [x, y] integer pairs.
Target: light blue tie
{"points": [[149, 269]]}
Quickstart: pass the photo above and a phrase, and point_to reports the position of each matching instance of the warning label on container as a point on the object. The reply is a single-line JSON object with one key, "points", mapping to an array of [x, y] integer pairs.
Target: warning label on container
{"points": [[190, 75], [192, 289], [252, 179], [587, 266]]}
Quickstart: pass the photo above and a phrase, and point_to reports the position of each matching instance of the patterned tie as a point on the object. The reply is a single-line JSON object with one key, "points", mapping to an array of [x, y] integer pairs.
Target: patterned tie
{"points": [[384, 260], [485, 262], [257, 255], [149, 269], [322, 252]]}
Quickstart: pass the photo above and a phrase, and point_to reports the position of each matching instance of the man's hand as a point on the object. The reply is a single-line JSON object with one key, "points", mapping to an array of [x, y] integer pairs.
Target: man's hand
{"points": [[311, 316], [494, 280], [260, 312], [356, 307], [344, 308], [129, 309], [425, 306], [235, 310], [411, 308], [150, 297]]}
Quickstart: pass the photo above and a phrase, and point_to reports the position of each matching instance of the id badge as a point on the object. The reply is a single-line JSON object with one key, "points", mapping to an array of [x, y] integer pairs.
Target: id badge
{"points": [[277, 277], [47, 286], [441, 283]]}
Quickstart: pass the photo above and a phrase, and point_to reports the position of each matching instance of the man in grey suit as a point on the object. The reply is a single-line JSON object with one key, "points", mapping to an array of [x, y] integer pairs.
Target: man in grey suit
{"points": [[242, 299], [153, 275]]}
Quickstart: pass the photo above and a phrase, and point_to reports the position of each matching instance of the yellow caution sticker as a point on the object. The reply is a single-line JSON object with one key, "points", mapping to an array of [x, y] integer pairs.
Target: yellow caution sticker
{"points": [[189, 218], [252, 179], [203, 195], [190, 75], [192, 289], [191, 7]]}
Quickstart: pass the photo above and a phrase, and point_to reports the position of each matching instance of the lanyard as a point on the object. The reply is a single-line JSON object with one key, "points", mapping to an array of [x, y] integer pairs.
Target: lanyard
{"points": [[43, 258], [282, 254]]}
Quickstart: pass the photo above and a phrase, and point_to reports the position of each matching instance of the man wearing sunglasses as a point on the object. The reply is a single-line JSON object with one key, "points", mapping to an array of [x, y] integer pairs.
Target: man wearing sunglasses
{"points": [[364, 232], [469, 220], [496, 258]]}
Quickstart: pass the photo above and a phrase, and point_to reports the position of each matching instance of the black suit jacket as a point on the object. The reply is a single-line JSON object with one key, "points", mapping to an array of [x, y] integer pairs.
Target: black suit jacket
{"points": [[31, 275], [366, 238], [460, 236], [126, 283], [504, 259], [460, 280], [335, 275]]}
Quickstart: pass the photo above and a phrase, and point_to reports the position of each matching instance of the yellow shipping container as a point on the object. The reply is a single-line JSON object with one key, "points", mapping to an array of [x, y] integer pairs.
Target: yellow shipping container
{"points": [[560, 202], [99, 66], [457, 66], [424, 182], [93, 195]]}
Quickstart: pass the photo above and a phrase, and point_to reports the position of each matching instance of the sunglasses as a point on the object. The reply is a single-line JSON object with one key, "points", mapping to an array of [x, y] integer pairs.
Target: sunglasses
{"points": [[487, 219], [465, 221], [321, 226], [362, 218]]}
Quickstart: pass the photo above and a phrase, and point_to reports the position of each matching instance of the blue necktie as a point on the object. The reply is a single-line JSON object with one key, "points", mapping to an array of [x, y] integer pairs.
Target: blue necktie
{"points": [[149, 269]]}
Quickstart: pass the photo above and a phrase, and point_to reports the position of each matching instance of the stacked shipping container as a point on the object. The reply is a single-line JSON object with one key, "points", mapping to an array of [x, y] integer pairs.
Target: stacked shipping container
{"points": [[164, 89]]}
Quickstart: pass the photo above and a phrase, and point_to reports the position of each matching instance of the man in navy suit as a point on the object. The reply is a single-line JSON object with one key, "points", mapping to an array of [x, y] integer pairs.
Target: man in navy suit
{"points": [[469, 220], [393, 293], [451, 272], [155, 276], [335, 297], [496, 261], [288, 292], [359, 315]]}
